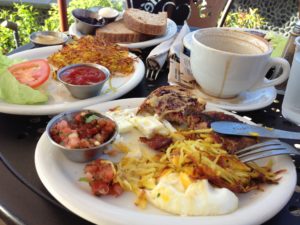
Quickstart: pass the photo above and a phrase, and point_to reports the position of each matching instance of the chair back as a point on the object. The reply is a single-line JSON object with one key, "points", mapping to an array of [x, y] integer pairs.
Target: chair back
{"points": [[198, 13]]}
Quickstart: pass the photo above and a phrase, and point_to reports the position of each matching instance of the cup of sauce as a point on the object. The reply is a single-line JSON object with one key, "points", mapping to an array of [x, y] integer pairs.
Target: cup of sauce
{"points": [[84, 80], [48, 38]]}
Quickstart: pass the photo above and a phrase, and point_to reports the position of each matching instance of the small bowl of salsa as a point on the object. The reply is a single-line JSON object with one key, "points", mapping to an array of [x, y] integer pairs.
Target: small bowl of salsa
{"points": [[84, 80], [81, 135]]}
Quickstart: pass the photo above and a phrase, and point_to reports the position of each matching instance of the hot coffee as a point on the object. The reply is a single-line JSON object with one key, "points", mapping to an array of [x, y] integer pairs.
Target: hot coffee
{"points": [[226, 62]]}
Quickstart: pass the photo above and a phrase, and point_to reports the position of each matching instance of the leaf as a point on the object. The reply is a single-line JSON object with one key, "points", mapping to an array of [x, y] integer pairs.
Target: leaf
{"points": [[83, 179], [12, 91]]}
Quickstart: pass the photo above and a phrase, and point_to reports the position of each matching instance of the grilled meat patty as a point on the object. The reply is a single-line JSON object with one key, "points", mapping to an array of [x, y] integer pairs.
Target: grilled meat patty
{"points": [[172, 103]]}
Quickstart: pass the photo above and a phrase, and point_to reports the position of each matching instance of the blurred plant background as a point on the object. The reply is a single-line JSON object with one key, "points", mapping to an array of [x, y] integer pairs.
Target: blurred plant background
{"points": [[30, 19], [245, 19]]}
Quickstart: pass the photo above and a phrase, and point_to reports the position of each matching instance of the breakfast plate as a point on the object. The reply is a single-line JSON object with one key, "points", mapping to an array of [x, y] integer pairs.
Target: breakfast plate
{"points": [[60, 98], [170, 32], [61, 178]]}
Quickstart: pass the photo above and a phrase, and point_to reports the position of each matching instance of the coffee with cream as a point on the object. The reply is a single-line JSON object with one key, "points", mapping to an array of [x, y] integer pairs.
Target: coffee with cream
{"points": [[230, 43], [226, 62]]}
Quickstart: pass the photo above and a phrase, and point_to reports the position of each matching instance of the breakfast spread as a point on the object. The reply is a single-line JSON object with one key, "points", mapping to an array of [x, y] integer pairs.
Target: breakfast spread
{"points": [[35, 74], [173, 160]]}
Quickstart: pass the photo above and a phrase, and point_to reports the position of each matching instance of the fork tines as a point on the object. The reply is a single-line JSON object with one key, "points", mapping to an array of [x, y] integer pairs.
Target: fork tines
{"points": [[265, 149], [153, 69], [152, 74]]}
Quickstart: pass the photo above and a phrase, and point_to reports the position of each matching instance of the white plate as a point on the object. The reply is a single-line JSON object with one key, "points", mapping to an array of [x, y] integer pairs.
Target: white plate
{"points": [[59, 97], [170, 32], [60, 177]]}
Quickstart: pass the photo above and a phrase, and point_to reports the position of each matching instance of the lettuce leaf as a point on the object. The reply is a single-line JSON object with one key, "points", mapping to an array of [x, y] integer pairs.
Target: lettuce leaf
{"points": [[12, 91]]}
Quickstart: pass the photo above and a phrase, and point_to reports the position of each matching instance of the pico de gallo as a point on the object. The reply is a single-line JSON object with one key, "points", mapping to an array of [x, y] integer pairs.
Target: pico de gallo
{"points": [[85, 130], [101, 174]]}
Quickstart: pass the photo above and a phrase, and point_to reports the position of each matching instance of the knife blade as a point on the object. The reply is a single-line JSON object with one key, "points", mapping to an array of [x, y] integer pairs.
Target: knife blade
{"points": [[243, 129]]}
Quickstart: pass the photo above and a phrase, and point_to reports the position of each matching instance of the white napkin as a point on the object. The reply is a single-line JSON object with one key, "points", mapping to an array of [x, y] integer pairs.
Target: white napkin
{"points": [[158, 56], [179, 71], [177, 45]]}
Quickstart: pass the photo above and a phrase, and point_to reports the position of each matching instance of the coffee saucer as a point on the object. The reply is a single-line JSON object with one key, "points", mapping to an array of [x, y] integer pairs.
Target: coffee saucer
{"points": [[246, 101]]}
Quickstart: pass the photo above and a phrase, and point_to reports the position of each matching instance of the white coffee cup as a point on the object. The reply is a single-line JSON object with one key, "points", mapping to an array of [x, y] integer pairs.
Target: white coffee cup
{"points": [[226, 62]]}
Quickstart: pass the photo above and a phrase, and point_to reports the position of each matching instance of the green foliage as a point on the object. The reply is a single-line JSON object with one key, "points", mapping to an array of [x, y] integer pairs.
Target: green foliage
{"points": [[249, 19], [52, 23], [25, 16]]}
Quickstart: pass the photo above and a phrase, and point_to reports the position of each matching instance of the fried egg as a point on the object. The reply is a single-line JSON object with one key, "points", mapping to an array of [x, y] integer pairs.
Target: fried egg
{"points": [[176, 193]]}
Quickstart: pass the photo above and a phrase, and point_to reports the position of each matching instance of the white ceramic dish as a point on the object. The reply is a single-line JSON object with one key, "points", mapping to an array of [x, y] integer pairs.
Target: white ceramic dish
{"points": [[171, 31], [60, 177], [246, 101], [60, 98]]}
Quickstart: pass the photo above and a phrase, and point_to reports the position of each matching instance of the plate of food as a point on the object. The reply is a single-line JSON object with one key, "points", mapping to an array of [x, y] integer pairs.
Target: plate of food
{"points": [[48, 95], [166, 168], [133, 32]]}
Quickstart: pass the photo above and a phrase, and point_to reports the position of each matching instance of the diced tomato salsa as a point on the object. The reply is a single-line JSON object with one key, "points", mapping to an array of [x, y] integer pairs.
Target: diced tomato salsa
{"points": [[100, 175], [85, 130]]}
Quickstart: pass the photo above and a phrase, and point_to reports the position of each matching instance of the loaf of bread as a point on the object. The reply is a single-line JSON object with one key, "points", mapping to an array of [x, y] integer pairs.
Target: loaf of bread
{"points": [[118, 32], [145, 22]]}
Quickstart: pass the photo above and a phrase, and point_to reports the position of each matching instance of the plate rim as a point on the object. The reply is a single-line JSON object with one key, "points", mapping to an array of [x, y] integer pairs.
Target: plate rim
{"points": [[116, 215], [250, 107], [259, 105], [46, 109]]}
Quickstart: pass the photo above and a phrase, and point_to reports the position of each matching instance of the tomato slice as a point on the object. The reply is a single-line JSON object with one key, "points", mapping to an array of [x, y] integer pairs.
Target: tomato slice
{"points": [[32, 73]]}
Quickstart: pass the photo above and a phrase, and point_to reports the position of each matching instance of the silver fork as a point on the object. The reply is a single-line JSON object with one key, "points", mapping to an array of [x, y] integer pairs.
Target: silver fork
{"points": [[265, 149], [153, 69]]}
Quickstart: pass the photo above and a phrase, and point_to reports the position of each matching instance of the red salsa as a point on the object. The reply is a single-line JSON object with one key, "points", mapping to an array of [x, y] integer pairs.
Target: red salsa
{"points": [[83, 75]]}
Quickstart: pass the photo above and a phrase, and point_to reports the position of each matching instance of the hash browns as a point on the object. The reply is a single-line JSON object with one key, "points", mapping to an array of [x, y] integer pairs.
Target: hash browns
{"points": [[89, 49]]}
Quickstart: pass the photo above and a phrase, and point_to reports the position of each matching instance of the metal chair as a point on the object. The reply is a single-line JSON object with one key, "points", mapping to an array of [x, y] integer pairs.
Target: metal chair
{"points": [[14, 27]]}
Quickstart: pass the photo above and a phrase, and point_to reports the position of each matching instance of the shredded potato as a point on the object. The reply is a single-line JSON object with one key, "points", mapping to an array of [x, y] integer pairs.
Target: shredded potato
{"points": [[199, 159], [89, 49]]}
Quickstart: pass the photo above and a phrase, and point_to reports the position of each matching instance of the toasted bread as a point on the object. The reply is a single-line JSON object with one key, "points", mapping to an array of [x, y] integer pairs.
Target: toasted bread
{"points": [[118, 32], [145, 22]]}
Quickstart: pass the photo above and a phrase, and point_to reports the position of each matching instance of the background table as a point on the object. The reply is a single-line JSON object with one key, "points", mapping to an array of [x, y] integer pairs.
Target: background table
{"points": [[23, 198]]}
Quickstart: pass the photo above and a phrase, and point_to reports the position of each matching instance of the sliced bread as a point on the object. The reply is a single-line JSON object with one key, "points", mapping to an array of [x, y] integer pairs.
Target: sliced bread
{"points": [[145, 22], [118, 32]]}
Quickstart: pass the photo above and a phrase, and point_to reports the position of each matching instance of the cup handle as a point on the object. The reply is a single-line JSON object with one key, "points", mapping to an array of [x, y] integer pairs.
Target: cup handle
{"points": [[278, 80]]}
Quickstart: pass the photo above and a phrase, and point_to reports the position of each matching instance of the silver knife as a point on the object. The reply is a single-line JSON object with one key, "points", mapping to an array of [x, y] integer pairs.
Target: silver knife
{"points": [[234, 128]]}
